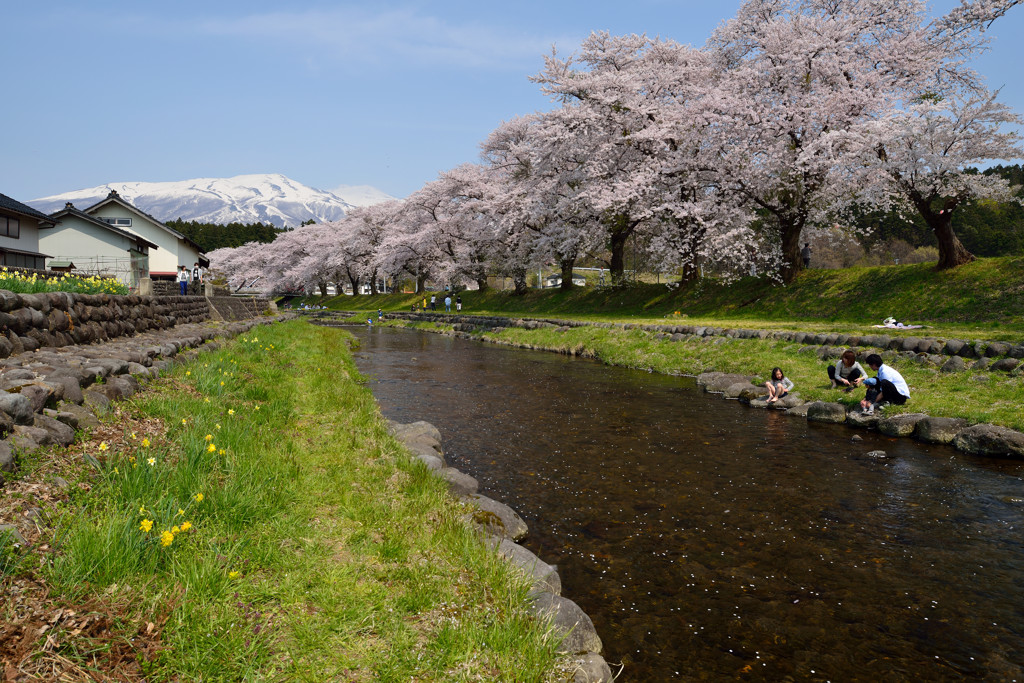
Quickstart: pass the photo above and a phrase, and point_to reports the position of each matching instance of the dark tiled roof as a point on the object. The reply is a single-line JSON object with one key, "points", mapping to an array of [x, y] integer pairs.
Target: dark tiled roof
{"points": [[24, 209], [115, 197], [70, 210]]}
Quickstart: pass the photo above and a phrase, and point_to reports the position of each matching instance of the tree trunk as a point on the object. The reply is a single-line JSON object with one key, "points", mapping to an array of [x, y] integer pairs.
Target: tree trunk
{"points": [[323, 289], [481, 284], [617, 264], [519, 279], [373, 283], [952, 252], [792, 263], [355, 285], [567, 266]]}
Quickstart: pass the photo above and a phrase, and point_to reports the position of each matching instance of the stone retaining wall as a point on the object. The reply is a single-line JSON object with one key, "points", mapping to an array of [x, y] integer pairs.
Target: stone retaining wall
{"points": [[49, 394], [239, 307], [32, 321]]}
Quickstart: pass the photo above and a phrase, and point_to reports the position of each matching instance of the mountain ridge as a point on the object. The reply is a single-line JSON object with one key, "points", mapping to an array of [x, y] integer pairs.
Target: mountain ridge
{"points": [[252, 198]]}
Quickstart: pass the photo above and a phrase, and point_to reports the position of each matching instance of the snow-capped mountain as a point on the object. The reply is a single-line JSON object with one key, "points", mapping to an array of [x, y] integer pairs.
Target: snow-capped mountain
{"points": [[266, 198], [361, 195]]}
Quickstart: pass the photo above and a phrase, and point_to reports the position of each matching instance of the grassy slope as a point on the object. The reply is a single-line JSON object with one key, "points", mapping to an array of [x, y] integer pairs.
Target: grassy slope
{"points": [[317, 550], [984, 299]]}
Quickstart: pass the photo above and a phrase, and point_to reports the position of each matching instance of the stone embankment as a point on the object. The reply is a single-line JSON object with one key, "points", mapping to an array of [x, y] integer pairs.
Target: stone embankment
{"points": [[56, 319], [51, 392], [947, 355], [502, 528]]}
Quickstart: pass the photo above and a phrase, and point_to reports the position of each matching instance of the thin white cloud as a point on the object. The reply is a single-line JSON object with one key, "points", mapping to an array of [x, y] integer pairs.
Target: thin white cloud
{"points": [[361, 36]]}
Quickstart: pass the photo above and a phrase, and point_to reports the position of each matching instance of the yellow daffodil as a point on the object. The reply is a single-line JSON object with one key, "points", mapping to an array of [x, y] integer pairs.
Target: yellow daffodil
{"points": [[151, 461], [166, 538], [146, 525], [231, 411], [208, 437], [132, 435], [142, 510], [206, 400], [175, 529], [216, 426], [145, 443], [223, 452], [188, 372], [212, 448], [103, 445], [185, 526], [184, 421], [180, 512], [234, 575], [199, 498]]}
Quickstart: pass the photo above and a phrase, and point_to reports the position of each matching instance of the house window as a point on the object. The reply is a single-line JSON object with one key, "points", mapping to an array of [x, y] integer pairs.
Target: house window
{"points": [[10, 227], [119, 222]]}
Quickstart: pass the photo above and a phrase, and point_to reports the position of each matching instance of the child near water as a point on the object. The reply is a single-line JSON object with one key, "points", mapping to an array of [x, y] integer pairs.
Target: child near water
{"points": [[778, 386]]}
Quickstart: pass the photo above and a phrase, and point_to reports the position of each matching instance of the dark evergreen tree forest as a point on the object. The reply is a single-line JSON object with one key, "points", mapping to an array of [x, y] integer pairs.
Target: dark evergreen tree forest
{"points": [[210, 236]]}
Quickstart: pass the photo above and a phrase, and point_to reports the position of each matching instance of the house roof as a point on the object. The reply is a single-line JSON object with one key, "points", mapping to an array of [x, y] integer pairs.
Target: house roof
{"points": [[14, 206], [115, 198], [9, 250], [70, 210]]}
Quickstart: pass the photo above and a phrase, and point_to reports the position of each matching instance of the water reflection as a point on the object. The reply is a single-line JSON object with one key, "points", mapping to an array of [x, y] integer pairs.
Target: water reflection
{"points": [[710, 541]]}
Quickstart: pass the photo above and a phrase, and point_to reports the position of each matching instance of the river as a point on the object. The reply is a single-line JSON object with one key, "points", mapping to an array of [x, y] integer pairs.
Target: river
{"points": [[711, 541]]}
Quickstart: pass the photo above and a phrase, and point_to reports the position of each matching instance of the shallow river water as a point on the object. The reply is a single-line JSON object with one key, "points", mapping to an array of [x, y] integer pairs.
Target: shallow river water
{"points": [[712, 541]]}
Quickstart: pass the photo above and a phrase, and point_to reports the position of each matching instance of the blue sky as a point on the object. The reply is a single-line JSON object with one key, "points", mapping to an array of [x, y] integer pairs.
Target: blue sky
{"points": [[328, 93]]}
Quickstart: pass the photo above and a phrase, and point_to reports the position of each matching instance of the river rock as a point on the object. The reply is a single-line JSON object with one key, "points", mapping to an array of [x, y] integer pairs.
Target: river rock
{"points": [[877, 455], [7, 461], [1005, 364], [412, 430], [543, 575], [991, 440], [86, 418], [900, 425], [496, 518], [591, 668], [61, 433], [799, 411], [723, 381], [857, 418], [786, 402], [954, 364], [997, 348], [459, 483], [18, 407], [12, 534], [981, 364], [567, 619], [97, 401], [939, 429], [819, 411], [738, 389]]}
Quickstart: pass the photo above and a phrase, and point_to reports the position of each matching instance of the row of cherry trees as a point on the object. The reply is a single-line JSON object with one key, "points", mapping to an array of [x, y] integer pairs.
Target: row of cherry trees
{"points": [[726, 156]]}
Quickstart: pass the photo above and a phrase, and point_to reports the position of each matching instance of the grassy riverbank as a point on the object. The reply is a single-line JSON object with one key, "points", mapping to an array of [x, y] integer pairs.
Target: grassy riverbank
{"points": [[250, 518], [977, 396], [981, 300]]}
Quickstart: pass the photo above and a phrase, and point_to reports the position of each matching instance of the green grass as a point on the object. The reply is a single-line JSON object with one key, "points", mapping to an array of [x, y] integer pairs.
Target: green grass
{"points": [[315, 548], [976, 396], [983, 300]]}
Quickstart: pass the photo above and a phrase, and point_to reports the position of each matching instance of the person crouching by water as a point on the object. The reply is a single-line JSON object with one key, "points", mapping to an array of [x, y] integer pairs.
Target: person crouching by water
{"points": [[887, 386], [847, 372], [778, 386]]}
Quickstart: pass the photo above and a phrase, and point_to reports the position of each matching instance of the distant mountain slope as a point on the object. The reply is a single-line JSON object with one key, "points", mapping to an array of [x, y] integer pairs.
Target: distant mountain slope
{"points": [[258, 198]]}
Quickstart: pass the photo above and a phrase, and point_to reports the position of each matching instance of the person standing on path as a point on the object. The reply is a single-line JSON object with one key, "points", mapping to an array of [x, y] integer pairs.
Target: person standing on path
{"points": [[182, 280], [433, 302], [805, 254], [447, 304], [458, 303]]}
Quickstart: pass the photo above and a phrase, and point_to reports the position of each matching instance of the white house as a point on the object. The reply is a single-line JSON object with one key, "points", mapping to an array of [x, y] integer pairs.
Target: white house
{"points": [[19, 234], [96, 246], [172, 248]]}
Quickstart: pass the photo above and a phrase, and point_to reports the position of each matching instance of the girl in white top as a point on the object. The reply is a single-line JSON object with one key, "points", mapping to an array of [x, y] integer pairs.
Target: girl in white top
{"points": [[847, 372]]}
